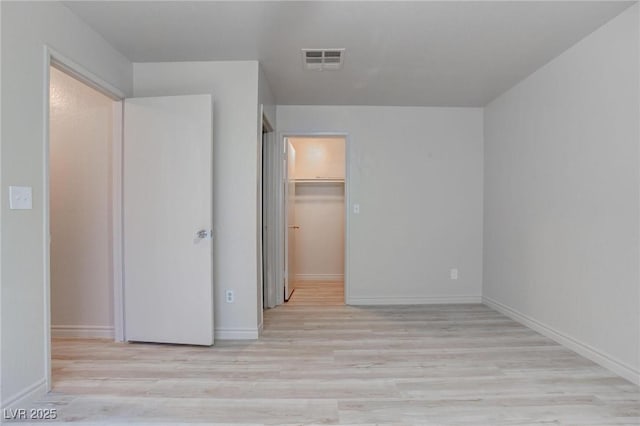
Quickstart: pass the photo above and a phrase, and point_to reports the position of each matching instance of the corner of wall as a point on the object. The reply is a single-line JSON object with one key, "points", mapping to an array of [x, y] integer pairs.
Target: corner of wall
{"points": [[26, 396], [599, 357], [520, 142]]}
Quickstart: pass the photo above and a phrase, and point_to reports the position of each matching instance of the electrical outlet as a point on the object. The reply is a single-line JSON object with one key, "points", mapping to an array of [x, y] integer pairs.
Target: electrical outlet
{"points": [[229, 296], [453, 274]]}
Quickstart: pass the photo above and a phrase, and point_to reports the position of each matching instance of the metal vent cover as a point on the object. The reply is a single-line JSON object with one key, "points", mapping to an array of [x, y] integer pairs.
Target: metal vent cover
{"points": [[323, 59]]}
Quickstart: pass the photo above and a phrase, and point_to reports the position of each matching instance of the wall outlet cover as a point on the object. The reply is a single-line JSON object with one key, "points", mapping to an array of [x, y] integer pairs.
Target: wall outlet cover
{"points": [[20, 198]]}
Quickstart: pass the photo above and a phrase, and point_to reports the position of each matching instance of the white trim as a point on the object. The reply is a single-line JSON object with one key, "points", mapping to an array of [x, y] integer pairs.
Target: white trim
{"points": [[419, 300], [83, 331], [347, 203], [27, 396], [320, 277], [117, 236], [286, 203], [638, 159], [620, 368], [260, 217], [237, 333], [77, 71], [46, 230], [1, 256], [347, 219], [53, 58], [270, 213], [264, 230], [279, 218]]}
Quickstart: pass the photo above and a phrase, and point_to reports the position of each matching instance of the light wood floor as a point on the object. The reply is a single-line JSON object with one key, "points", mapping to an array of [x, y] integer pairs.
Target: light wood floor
{"points": [[332, 364], [312, 293]]}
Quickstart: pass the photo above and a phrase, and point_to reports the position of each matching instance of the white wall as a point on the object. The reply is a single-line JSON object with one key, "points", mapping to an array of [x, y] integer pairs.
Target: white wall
{"points": [[417, 175], [561, 197], [81, 135], [322, 158], [319, 209], [319, 242], [234, 87], [26, 28]]}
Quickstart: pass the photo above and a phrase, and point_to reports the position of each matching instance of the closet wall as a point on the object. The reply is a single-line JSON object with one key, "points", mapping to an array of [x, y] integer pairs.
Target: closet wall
{"points": [[81, 129], [319, 204]]}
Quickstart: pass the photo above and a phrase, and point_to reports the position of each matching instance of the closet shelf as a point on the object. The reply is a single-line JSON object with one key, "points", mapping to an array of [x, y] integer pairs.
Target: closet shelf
{"points": [[319, 180]]}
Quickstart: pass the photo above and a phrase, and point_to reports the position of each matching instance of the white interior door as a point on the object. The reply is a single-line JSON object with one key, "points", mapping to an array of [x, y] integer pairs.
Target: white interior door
{"points": [[168, 274], [290, 240]]}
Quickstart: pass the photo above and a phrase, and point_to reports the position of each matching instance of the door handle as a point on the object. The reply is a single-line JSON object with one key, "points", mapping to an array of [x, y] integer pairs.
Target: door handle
{"points": [[294, 226], [204, 234]]}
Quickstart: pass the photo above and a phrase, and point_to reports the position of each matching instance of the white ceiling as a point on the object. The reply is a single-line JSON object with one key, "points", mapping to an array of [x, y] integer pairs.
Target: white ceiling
{"points": [[397, 53]]}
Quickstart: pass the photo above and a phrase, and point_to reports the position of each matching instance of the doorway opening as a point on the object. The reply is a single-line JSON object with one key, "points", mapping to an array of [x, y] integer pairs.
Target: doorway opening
{"points": [[80, 173], [268, 216], [315, 218], [305, 195], [82, 147]]}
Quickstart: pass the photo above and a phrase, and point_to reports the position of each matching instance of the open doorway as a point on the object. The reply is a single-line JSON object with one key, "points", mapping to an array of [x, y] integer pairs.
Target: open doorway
{"points": [[80, 136], [82, 212], [315, 218]]}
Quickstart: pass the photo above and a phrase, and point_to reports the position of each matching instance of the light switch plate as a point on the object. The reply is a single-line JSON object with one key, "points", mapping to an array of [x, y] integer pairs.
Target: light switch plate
{"points": [[20, 198], [356, 208]]}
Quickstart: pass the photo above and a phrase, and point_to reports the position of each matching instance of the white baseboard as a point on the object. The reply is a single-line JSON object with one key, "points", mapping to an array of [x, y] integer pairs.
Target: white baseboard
{"points": [[587, 351], [26, 397], [319, 277], [237, 333], [83, 331], [429, 300]]}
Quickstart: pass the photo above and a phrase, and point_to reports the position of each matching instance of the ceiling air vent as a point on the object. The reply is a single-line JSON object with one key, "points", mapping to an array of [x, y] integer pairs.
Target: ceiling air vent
{"points": [[322, 59]]}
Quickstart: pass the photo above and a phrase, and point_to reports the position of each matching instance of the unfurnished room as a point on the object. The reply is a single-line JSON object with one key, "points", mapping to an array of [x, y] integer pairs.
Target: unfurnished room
{"points": [[320, 212]]}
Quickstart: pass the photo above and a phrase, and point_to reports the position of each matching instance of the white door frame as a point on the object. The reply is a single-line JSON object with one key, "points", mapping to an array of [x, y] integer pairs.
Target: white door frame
{"points": [[269, 186], [281, 226], [54, 58], [289, 189]]}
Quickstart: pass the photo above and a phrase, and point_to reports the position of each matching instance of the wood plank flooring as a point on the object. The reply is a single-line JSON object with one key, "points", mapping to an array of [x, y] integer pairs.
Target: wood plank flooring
{"points": [[333, 364], [312, 293]]}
